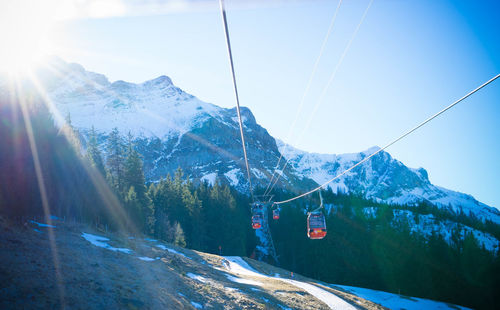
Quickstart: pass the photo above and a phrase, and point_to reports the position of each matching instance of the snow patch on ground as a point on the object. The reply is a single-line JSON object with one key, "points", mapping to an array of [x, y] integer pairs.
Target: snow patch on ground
{"points": [[161, 246], [243, 281], [232, 289], [146, 259], [394, 301], [177, 253], [239, 266], [100, 242], [196, 277], [42, 224], [331, 300]]}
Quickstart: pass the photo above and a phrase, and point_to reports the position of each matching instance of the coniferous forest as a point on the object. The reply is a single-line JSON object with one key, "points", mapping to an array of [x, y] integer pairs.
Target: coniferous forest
{"points": [[367, 251]]}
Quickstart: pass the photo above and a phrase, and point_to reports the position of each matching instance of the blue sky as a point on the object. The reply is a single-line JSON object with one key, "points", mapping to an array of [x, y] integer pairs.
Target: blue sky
{"points": [[408, 60]]}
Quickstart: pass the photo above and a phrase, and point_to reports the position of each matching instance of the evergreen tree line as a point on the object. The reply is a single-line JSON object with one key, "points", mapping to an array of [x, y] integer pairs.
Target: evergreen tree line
{"points": [[380, 253], [110, 191], [31, 146], [206, 218], [421, 208], [359, 250]]}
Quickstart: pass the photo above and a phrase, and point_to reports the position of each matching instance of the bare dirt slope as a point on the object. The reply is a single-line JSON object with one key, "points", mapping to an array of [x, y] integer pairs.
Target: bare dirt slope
{"points": [[89, 272]]}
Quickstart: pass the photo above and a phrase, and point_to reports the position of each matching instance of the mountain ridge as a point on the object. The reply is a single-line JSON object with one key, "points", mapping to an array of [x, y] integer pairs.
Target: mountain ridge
{"points": [[323, 167], [175, 129]]}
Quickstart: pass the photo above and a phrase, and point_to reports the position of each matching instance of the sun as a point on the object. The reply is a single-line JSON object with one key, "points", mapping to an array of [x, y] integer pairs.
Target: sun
{"points": [[23, 35], [21, 52]]}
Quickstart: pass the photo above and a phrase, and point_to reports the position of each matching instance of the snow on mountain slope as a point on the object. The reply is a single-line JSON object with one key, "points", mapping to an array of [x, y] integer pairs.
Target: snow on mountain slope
{"points": [[383, 179], [155, 108], [170, 128], [428, 224], [174, 129]]}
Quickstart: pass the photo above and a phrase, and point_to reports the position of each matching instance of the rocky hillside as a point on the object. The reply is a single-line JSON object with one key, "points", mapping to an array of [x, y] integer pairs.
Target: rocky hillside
{"points": [[85, 268], [174, 129]]}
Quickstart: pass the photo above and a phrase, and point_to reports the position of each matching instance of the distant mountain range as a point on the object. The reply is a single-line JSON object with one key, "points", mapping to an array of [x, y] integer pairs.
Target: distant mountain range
{"points": [[382, 179], [172, 129]]}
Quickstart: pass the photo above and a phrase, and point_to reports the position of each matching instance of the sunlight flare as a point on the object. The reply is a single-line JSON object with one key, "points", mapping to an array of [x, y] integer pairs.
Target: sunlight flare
{"points": [[23, 30]]}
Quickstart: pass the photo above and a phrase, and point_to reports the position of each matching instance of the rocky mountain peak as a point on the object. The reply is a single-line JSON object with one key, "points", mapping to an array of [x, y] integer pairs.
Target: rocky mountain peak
{"points": [[162, 80], [175, 129]]}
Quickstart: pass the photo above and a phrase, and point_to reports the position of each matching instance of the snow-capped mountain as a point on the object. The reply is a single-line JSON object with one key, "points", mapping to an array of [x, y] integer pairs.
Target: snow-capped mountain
{"points": [[174, 129], [171, 128], [156, 108], [383, 179]]}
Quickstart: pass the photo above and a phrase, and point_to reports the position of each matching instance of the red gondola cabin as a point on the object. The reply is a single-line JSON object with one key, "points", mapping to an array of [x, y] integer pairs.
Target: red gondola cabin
{"points": [[257, 215], [256, 221], [316, 225], [276, 214]]}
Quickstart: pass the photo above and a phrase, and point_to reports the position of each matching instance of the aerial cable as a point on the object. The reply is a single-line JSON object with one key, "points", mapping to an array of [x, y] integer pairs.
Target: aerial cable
{"points": [[392, 142], [328, 84], [308, 86], [228, 43]]}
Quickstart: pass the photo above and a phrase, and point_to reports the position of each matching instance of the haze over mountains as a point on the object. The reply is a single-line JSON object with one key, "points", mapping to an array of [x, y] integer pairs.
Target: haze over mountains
{"points": [[172, 129]]}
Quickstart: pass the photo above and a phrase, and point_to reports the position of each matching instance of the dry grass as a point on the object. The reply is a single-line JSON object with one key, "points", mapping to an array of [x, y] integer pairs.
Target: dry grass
{"points": [[96, 278]]}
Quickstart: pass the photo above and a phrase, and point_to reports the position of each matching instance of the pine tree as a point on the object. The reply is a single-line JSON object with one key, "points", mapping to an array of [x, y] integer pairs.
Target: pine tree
{"points": [[115, 160], [133, 173], [133, 178], [164, 197], [179, 236], [178, 179], [94, 154], [71, 134], [133, 208]]}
